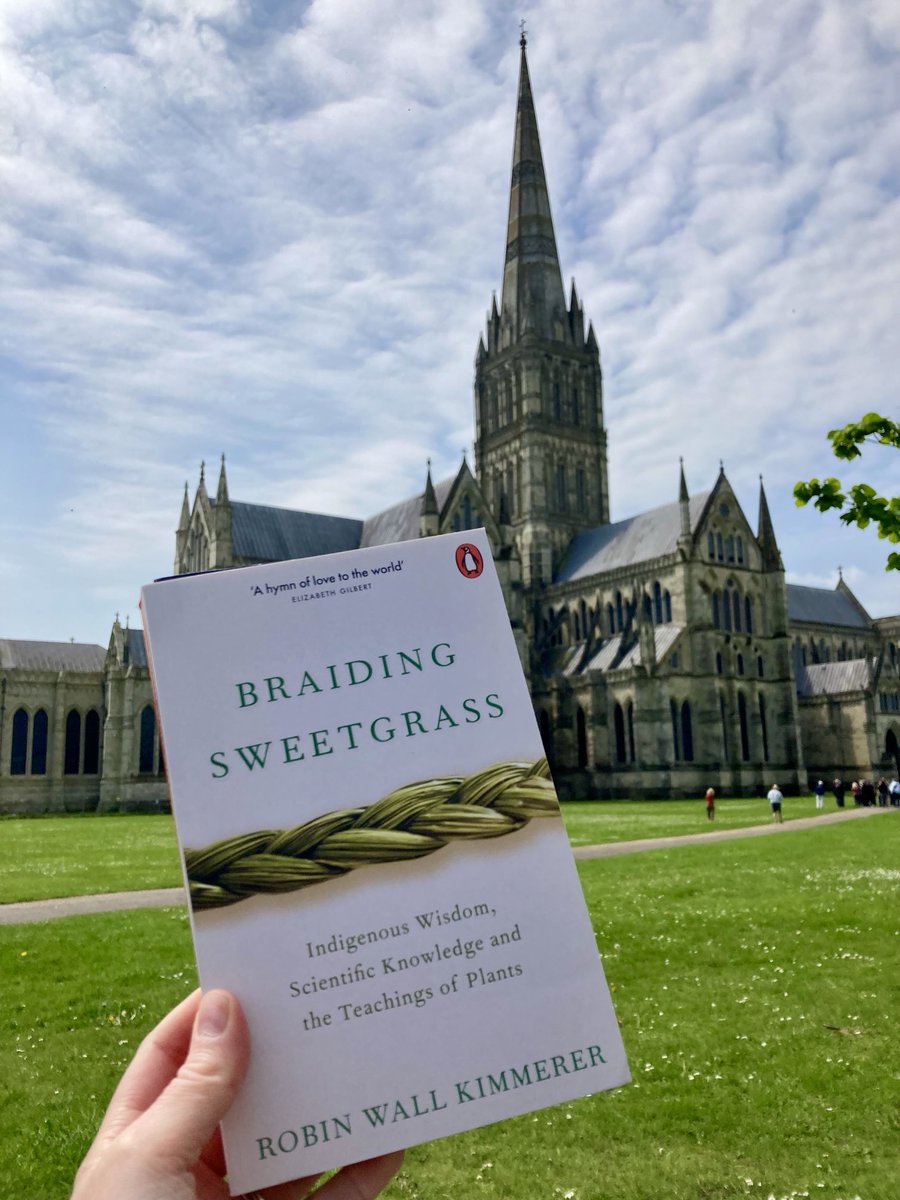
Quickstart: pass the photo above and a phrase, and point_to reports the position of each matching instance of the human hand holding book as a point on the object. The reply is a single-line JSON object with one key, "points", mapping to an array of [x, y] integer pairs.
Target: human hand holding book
{"points": [[160, 1137]]}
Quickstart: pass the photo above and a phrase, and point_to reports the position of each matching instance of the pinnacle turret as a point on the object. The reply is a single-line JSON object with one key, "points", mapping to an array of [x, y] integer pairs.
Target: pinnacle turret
{"points": [[684, 502], [222, 489], [765, 534]]}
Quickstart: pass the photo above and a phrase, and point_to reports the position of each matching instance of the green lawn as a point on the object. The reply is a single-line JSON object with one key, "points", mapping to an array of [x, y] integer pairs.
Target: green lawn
{"points": [[756, 985], [76, 855], [591, 823]]}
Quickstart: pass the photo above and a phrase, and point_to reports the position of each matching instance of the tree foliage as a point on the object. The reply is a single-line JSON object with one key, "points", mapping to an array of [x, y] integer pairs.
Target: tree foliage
{"points": [[858, 504]]}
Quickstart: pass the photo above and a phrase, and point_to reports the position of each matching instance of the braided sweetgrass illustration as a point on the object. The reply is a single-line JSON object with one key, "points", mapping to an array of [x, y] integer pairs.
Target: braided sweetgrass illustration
{"points": [[410, 822]]}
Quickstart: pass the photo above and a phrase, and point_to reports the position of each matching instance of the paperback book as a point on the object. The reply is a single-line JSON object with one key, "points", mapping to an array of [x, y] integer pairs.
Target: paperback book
{"points": [[374, 853]]}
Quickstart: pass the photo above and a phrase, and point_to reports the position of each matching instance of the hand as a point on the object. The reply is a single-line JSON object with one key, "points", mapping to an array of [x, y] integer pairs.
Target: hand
{"points": [[160, 1137]]}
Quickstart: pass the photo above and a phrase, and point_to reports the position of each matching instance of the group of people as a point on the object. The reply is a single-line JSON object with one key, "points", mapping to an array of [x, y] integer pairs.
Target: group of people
{"points": [[865, 793]]}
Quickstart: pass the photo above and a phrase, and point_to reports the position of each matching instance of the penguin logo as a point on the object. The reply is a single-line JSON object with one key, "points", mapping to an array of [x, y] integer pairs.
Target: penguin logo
{"points": [[469, 560]]}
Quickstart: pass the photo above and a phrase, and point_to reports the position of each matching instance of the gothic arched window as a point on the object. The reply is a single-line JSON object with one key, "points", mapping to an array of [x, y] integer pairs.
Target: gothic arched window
{"points": [[657, 603], [581, 737], [748, 614], [711, 544], [91, 743], [724, 721], [716, 615], [667, 607], [18, 756], [630, 715], [763, 728], [736, 607], [147, 740], [72, 752], [561, 497], [39, 743], [726, 609], [620, 615], [687, 733], [673, 713], [745, 728], [740, 549], [610, 619], [619, 726]]}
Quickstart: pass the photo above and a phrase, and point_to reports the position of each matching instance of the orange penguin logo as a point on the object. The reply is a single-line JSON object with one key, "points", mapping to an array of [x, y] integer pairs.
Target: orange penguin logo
{"points": [[469, 560]]}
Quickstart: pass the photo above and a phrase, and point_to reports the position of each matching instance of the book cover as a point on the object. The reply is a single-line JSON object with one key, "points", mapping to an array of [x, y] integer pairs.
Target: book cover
{"points": [[374, 853]]}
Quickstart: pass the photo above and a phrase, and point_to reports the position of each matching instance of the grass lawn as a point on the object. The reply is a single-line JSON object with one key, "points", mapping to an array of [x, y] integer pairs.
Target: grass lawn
{"points": [[54, 856], [591, 823], [77, 855], [755, 981]]}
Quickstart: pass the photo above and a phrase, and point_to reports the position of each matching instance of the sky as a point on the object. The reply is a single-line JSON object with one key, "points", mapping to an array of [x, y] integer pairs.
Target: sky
{"points": [[272, 230]]}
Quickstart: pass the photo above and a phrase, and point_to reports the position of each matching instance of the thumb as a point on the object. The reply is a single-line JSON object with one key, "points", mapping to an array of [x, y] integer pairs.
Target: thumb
{"points": [[177, 1126]]}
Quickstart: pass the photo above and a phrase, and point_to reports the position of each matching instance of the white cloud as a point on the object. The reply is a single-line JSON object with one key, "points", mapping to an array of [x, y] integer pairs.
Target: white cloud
{"points": [[279, 238]]}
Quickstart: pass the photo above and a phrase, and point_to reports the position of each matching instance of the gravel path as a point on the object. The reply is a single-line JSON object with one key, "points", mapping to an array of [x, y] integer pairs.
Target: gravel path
{"points": [[67, 906]]}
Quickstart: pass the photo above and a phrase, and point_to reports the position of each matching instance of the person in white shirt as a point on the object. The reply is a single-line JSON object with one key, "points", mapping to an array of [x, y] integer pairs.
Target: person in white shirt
{"points": [[775, 799]]}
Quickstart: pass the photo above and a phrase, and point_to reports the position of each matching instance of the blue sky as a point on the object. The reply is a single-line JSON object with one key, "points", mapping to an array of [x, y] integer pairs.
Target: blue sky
{"points": [[273, 230]]}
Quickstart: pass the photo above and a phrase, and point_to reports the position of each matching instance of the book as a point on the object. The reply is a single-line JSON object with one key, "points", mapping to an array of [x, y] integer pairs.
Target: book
{"points": [[374, 853]]}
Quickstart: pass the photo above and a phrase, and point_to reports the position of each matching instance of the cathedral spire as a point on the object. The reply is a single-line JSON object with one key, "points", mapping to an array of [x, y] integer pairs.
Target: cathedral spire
{"points": [[532, 299], [765, 534]]}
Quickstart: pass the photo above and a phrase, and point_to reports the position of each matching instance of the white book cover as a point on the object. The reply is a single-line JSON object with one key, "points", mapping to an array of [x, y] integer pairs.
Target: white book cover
{"points": [[374, 852]]}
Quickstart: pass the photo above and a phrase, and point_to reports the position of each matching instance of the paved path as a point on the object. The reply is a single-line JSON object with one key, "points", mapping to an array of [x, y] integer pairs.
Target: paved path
{"points": [[68, 906]]}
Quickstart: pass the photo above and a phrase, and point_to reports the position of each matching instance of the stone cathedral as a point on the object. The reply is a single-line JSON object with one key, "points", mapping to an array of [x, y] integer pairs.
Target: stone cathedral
{"points": [[664, 652]]}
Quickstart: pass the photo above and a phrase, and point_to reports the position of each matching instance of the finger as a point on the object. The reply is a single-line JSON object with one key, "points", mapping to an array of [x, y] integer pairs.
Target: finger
{"points": [[175, 1129], [361, 1181], [153, 1067]]}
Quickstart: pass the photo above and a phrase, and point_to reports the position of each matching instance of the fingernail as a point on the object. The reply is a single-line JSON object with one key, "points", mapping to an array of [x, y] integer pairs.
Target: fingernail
{"points": [[213, 1014]]}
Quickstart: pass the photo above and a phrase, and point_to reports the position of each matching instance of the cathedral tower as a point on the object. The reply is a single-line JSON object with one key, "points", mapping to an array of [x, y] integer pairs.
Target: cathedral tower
{"points": [[540, 445]]}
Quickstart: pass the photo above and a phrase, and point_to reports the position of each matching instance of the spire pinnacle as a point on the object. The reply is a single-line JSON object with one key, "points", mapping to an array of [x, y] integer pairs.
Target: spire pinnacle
{"points": [[429, 500], [765, 533], [532, 297], [222, 490]]}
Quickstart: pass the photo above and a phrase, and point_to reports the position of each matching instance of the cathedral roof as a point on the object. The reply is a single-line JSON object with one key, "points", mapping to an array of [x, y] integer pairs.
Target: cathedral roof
{"points": [[823, 606], [400, 522], [620, 651], [274, 534], [51, 656], [638, 539], [830, 679]]}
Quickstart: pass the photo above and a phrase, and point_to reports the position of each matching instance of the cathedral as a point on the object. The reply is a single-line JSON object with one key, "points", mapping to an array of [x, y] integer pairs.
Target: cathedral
{"points": [[664, 652]]}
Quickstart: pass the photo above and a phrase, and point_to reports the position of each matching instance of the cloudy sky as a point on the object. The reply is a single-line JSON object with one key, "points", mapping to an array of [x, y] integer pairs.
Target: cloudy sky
{"points": [[272, 230]]}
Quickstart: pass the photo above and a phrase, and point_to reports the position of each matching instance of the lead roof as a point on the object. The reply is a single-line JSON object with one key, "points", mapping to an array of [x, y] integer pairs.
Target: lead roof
{"points": [[823, 606], [625, 543], [51, 656]]}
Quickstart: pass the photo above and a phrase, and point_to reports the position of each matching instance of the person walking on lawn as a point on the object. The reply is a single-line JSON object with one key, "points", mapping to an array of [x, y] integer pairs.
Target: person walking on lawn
{"points": [[775, 798], [819, 791], [710, 804]]}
